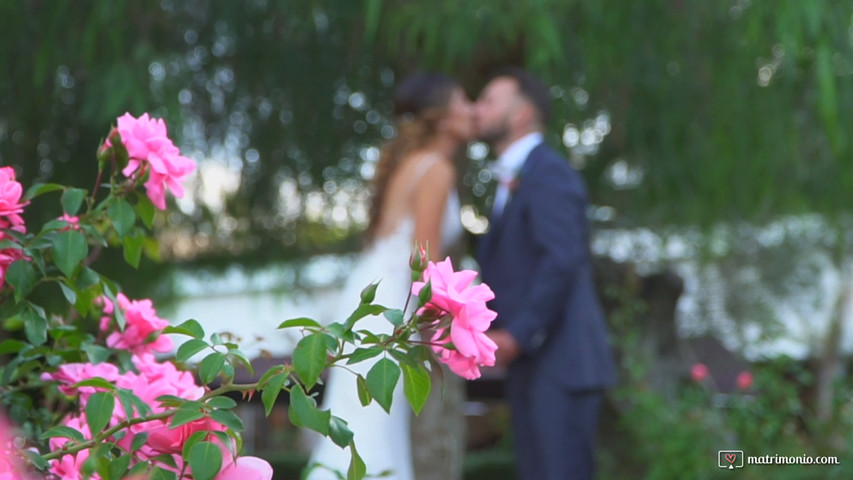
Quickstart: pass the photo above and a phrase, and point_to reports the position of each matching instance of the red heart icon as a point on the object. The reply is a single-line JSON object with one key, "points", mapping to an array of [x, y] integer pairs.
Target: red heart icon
{"points": [[731, 457]]}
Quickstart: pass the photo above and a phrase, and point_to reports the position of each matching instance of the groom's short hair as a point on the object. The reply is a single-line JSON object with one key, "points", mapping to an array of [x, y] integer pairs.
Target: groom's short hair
{"points": [[532, 89]]}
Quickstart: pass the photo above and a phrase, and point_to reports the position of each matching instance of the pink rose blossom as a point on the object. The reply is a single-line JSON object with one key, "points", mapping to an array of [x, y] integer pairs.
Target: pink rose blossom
{"points": [[11, 467], [71, 373], [156, 379], [8, 256], [77, 423], [164, 439], [152, 152], [69, 467], [10, 199], [698, 372], [453, 294], [141, 322], [245, 468], [743, 380]]}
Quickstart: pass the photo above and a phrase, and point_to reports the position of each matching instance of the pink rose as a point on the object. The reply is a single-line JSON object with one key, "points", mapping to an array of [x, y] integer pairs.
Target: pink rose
{"points": [[69, 374], [10, 199], [151, 152], [164, 439], [245, 468], [11, 467], [453, 294], [743, 380], [77, 423], [141, 322], [698, 372], [8, 256], [69, 466], [156, 379]]}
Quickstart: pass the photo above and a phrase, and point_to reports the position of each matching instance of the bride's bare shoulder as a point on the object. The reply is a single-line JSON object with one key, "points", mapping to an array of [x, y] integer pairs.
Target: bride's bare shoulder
{"points": [[429, 167]]}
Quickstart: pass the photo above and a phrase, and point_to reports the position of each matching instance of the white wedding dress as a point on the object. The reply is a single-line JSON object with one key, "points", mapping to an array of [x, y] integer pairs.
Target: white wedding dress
{"points": [[383, 440]]}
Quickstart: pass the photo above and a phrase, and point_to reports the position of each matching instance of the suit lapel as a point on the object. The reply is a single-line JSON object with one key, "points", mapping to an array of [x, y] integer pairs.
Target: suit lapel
{"points": [[496, 225]]}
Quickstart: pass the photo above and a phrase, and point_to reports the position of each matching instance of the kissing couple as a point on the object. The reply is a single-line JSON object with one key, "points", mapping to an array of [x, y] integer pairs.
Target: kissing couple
{"points": [[550, 331]]}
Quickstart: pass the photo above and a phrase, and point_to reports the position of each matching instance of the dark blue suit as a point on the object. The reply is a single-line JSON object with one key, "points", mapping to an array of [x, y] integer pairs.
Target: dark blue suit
{"points": [[536, 259]]}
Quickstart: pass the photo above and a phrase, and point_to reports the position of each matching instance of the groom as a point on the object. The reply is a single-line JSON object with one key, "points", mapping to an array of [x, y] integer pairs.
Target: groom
{"points": [[550, 328]]}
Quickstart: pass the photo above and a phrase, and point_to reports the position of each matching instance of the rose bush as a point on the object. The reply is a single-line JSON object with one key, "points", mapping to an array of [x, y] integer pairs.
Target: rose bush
{"points": [[95, 388]]}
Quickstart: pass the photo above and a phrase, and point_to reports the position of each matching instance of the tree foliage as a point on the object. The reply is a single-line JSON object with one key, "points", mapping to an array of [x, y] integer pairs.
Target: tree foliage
{"points": [[714, 110]]}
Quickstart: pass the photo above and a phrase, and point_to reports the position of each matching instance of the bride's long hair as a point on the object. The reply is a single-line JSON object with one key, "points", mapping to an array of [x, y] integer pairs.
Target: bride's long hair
{"points": [[420, 102]]}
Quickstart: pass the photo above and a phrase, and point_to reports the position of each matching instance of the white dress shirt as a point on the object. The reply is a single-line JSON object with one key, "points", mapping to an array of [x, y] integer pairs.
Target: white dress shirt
{"points": [[508, 165]]}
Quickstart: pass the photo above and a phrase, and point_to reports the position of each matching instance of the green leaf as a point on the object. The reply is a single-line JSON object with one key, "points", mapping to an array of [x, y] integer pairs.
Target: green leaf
{"points": [[227, 418], [190, 348], [40, 189], [369, 293], [36, 459], [271, 391], [35, 327], [22, 276], [188, 412], [394, 316], [340, 432], [170, 400], [210, 367], [309, 358], [363, 311], [11, 346], [205, 460], [68, 293], [138, 441], [239, 356], [303, 412], [191, 328], [146, 210], [133, 248], [69, 249], [158, 473], [357, 469], [363, 392], [97, 382], [72, 199], [99, 410], [125, 397], [64, 432], [425, 295], [118, 466], [362, 354], [221, 402], [87, 278], [381, 380], [119, 314], [416, 386], [139, 470], [122, 215], [192, 441], [299, 322], [96, 353], [340, 330]]}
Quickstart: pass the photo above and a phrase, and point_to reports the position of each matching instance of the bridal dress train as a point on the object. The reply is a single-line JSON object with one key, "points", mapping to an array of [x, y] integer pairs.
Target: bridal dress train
{"points": [[382, 439]]}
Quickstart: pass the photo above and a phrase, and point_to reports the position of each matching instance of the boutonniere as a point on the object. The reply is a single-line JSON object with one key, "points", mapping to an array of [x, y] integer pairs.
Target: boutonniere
{"points": [[513, 183]]}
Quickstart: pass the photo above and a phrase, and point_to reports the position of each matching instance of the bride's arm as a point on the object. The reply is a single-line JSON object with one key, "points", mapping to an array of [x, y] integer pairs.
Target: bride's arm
{"points": [[429, 200]]}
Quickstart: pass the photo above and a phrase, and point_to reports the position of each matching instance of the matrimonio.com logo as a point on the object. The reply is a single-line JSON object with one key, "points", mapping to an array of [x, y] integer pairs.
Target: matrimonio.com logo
{"points": [[730, 459]]}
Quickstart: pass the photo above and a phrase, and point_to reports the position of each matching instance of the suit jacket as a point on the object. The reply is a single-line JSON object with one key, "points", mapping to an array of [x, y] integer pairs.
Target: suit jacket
{"points": [[536, 259]]}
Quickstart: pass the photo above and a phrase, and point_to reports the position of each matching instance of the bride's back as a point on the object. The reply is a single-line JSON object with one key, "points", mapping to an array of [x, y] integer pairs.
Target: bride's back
{"points": [[398, 199]]}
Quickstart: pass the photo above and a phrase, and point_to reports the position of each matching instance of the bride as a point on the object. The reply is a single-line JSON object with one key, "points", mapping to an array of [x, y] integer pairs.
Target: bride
{"points": [[414, 203]]}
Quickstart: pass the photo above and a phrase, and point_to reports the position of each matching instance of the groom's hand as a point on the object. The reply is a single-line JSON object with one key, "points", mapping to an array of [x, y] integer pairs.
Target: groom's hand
{"points": [[508, 348]]}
